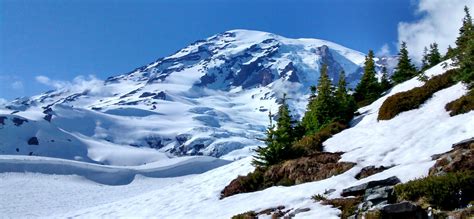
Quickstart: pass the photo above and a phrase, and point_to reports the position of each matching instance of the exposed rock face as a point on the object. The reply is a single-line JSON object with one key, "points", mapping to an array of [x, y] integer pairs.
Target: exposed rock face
{"points": [[360, 189], [307, 169], [369, 171], [33, 141], [316, 167], [403, 210], [460, 158], [18, 121]]}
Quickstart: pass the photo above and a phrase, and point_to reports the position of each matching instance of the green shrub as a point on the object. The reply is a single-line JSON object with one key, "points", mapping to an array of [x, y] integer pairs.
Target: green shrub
{"points": [[252, 182], [447, 192], [246, 215], [314, 142], [413, 98], [319, 197], [462, 105], [348, 206]]}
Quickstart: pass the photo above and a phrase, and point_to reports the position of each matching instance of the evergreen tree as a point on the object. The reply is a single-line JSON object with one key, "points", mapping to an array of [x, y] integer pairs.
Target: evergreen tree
{"points": [[450, 53], [405, 69], [368, 88], [465, 32], [320, 107], [385, 82], [434, 57], [279, 139], [425, 60], [346, 105], [465, 50]]}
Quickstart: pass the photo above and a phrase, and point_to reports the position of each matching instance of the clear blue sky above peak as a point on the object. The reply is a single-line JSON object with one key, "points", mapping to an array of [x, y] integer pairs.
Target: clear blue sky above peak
{"points": [[62, 39]]}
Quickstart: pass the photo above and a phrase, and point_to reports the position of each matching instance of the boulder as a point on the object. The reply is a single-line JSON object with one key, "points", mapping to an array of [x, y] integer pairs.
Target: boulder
{"points": [[360, 189], [460, 158], [403, 210], [33, 141]]}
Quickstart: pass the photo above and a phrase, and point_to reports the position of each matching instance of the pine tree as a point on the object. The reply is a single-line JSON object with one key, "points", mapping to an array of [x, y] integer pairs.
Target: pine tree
{"points": [[465, 32], [279, 139], [385, 82], [434, 57], [425, 63], [465, 50], [405, 69], [368, 88], [321, 107], [346, 105], [266, 155], [450, 53]]}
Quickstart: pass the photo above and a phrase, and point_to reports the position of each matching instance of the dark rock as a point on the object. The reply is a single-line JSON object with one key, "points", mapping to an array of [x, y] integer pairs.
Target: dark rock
{"points": [[161, 96], [403, 210], [48, 117], [369, 171], [33, 141], [360, 189], [378, 193], [2, 120], [18, 121], [460, 158], [146, 94]]}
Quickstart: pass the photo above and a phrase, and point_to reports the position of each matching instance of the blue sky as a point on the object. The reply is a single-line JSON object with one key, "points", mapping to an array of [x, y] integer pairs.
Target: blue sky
{"points": [[63, 39]]}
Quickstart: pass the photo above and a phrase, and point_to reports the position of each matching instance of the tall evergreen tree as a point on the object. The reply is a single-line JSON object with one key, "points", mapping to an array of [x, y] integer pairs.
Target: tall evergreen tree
{"points": [[465, 50], [346, 105], [320, 110], [465, 32], [405, 69], [385, 82], [434, 57], [450, 53], [368, 88], [278, 140], [425, 63]]}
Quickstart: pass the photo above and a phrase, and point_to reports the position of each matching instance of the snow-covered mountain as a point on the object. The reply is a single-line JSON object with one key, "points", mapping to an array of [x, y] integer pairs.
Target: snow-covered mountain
{"points": [[405, 144], [210, 98]]}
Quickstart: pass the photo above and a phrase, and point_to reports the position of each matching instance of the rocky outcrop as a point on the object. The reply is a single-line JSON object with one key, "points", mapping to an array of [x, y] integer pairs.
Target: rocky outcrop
{"points": [[33, 141], [316, 167], [460, 158], [369, 171], [361, 189]]}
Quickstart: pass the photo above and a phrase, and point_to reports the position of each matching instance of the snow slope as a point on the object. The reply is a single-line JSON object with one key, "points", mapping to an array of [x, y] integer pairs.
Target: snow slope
{"points": [[406, 142]]}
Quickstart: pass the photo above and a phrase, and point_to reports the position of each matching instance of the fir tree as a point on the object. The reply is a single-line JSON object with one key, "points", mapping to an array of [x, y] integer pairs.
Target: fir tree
{"points": [[434, 57], [405, 69], [346, 105], [320, 110], [368, 88], [465, 32], [465, 50], [450, 53], [385, 82], [425, 60], [279, 139]]}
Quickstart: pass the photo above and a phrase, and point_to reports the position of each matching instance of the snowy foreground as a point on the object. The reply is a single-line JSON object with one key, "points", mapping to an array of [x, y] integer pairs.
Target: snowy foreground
{"points": [[179, 188]]}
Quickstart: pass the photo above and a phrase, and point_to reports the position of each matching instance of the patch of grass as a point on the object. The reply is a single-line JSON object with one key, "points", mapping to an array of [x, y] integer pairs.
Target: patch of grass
{"points": [[447, 192], [314, 143], [246, 215], [252, 182], [462, 105], [348, 206], [412, 99], [319, 197]]}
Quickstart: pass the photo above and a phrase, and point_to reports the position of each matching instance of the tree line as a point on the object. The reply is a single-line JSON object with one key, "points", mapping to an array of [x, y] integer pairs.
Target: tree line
{"points": [[329, 103]]}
